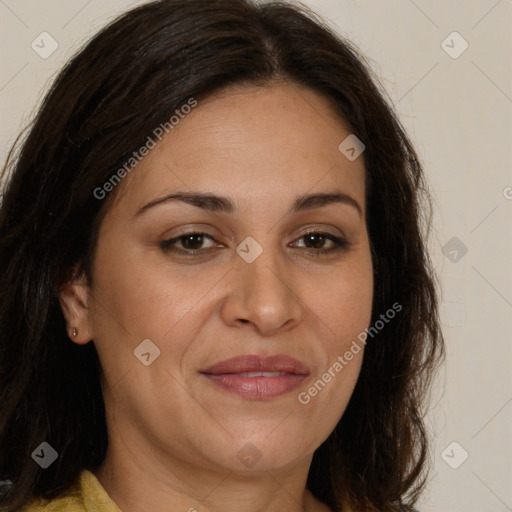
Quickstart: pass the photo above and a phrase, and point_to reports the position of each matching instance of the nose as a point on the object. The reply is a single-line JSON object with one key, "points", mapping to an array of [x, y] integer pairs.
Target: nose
{"points": [[264, 293]]}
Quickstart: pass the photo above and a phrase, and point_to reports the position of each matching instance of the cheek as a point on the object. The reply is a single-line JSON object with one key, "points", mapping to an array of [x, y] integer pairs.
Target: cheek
{"points": [[343, 317], [138, 296], [345, 302], [135, 297], [344, 308]]}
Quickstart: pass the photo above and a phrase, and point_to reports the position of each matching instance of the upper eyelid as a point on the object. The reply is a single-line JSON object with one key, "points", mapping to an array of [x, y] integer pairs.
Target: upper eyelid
{"points": [[305, 233], [311, 229]]}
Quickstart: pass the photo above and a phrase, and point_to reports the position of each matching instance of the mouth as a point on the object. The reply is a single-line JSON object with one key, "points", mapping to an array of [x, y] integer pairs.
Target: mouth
{"points": [[256, 377]]}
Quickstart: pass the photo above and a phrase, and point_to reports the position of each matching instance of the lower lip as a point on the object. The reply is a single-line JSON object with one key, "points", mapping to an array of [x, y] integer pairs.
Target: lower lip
{"points": [[257, 388]]}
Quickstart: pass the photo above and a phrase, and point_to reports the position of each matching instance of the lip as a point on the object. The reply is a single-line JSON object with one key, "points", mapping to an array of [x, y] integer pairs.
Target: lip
{"points": [[231, 375]]}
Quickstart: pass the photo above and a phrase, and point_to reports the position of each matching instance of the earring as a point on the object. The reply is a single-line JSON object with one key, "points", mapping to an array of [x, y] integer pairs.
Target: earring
{"points": [[75, 332]]}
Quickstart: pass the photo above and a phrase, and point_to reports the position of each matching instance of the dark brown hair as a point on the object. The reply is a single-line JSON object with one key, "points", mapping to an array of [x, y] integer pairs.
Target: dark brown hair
{"points": [[103, 105]]}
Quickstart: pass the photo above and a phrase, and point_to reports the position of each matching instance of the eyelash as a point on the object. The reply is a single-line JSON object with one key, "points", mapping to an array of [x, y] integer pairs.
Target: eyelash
{"points": [[169, 245]]}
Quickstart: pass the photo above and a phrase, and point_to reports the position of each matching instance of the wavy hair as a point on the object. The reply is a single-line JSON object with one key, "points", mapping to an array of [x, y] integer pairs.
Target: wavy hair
{"points": [[101, 107]]}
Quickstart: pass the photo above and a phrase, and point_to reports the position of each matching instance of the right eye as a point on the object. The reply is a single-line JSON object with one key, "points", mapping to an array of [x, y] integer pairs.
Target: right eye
{"points": [[191, 243]]}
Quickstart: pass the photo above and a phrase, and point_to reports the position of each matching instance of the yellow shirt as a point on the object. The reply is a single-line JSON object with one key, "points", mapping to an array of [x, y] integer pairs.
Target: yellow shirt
{"points": [[86, 496]]}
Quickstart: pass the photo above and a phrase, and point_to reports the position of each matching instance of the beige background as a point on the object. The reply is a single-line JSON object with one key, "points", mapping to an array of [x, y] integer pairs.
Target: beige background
{"points": [[459, 113]]}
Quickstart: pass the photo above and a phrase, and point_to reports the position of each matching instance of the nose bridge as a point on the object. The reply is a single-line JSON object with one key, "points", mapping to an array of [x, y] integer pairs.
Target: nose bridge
{"points": [[263, 292], [265, 274]]}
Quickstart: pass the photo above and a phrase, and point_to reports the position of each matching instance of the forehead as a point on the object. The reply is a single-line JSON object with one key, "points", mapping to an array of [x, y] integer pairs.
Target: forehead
{"points": [[257, 144]]}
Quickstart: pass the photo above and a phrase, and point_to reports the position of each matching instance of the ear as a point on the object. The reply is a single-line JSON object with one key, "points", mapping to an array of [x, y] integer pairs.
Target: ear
{"points": [[74, 300]]}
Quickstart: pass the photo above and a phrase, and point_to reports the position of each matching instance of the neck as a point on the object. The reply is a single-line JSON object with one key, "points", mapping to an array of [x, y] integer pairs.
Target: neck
{"points": [[143, 472], [138, 481]]}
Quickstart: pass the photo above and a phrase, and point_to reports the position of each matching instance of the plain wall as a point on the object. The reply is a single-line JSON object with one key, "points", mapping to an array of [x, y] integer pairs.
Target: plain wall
{"points": [[458, 112]]}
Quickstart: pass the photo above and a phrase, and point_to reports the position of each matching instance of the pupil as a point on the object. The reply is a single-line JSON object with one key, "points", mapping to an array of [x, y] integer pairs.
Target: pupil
{"points": [[320, 240], [192, 241]]}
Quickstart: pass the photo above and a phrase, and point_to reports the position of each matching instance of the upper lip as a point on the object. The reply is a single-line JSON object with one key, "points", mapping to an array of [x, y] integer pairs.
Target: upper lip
{"points": [[255, 363]]}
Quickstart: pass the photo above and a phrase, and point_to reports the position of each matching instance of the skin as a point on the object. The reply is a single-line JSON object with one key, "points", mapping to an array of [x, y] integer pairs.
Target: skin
{"points": [[173, 435]]}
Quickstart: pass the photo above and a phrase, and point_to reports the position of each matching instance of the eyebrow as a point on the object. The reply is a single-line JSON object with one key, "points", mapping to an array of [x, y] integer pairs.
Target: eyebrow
{"points": [[221, 204]]}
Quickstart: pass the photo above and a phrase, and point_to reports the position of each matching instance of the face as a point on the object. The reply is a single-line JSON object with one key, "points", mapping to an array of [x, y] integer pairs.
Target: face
{"points": [[275, 271]]}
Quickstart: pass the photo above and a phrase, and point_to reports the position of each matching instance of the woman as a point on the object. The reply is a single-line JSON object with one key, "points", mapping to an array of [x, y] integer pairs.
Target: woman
{"points": [[215, 292]]}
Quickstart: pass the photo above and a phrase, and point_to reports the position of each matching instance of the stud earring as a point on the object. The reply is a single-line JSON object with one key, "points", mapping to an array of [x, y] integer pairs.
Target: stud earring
{"points": [[75, 332]]}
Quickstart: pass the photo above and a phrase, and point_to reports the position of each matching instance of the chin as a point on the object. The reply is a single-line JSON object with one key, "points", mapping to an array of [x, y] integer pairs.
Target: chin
{"points": [[266, 451]]}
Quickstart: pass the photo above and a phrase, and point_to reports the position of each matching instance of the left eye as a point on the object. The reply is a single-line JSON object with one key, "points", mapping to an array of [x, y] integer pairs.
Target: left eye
{"points": [[316, 240]]}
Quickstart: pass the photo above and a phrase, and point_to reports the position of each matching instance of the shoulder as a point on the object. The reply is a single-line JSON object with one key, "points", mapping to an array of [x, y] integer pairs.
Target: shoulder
{"points": [[87, 495], [56, 505], [71, 501]]}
